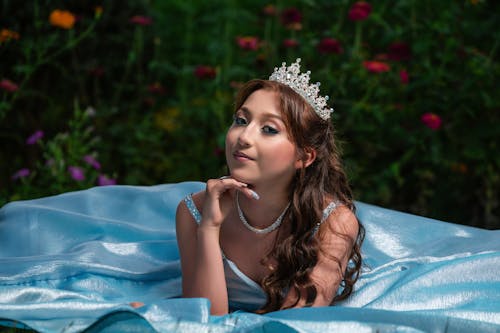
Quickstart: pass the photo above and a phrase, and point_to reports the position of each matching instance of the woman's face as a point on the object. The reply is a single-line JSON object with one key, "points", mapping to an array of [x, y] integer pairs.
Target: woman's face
{"points": [[258, 149]]}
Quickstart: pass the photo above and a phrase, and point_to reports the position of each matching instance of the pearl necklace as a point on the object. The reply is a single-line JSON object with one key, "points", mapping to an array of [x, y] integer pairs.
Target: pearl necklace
{"points": [[266, 230]]}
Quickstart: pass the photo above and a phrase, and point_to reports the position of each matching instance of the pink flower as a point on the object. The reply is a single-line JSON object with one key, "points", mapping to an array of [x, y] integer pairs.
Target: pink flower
{"points": [[330, 45], [404, 76], [76, 173], [249, 43], [360, 11], [292, 18], [376, 66], [35, 137], [431, 120], [21, 173], [205, 72], [8, 85], [90, 160], [103, 180], [141, 20], [290, 43], [399, 51]]}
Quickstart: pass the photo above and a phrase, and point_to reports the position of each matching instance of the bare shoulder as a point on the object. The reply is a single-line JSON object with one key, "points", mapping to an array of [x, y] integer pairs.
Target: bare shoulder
{"points": [[343, 221], [183, 217], [198, 199]]}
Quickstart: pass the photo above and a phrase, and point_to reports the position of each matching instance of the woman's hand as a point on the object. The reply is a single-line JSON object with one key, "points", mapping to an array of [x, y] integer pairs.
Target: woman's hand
{"points": [[217, 199]]}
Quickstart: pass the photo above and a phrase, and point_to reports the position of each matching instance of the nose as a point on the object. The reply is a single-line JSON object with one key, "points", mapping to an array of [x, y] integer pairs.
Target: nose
{"points": [[245, 136]]}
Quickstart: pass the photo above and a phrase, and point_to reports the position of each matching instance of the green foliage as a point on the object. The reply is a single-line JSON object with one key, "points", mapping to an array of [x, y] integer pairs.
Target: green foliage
{"points": [[418, 123]]}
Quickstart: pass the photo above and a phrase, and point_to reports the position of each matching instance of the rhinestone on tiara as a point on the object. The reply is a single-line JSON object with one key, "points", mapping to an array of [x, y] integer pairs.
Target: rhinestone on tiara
{"points": [[292, 77]]}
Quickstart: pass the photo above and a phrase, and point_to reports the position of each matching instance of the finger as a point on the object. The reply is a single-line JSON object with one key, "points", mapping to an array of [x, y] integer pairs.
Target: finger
{"points": [[219, 186], [251, 194], [229, 182]]}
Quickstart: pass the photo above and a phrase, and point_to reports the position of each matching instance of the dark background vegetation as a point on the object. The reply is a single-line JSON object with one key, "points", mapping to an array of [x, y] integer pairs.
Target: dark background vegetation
{"points": [[140, 92]]}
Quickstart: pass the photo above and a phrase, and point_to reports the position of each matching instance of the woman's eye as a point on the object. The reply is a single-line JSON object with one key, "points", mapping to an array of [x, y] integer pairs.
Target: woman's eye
{"points": [[240, 121], [269, 130]]}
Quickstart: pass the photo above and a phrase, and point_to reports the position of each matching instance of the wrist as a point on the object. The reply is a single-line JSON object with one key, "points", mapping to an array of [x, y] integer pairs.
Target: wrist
{"points": [[208, 228]]}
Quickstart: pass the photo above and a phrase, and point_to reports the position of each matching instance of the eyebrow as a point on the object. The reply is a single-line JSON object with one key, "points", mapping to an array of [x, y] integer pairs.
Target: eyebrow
{"points": [[265, 114]]}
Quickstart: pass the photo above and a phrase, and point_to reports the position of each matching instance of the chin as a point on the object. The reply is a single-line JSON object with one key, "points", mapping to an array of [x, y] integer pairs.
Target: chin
{"points": [[241, 177]]}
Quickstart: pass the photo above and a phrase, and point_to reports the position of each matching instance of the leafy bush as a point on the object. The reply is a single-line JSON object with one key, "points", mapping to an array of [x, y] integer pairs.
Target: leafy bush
{"points": [[141, 92]]}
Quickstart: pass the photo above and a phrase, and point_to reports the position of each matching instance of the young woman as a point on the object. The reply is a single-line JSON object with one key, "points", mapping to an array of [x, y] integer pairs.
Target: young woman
{"points": [[279, 231]]}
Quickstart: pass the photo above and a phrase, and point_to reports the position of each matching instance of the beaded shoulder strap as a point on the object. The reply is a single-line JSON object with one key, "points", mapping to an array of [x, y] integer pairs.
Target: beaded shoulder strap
{"points": [[192, 208], [326, 212]]}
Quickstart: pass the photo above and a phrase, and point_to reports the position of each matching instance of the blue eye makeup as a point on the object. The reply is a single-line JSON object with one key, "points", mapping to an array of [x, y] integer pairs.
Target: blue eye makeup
{"points": [[240, 120], [269, 130]]}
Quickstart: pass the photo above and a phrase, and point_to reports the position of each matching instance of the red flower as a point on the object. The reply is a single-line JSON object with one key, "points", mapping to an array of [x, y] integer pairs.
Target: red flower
{"points": [[403, 75], [141, 20], [205, 72], [8, 85], [330, 45], [376, 66], [360, 11], [431, 120], [290, 43], [156, 88], [292, 18], [248, 43], [269, 10], [399, 51]]}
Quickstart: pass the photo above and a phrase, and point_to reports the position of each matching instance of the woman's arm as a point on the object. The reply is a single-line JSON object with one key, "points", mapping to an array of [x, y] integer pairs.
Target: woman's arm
{"points": [[337, 236], [201, 261], [199, 246]]}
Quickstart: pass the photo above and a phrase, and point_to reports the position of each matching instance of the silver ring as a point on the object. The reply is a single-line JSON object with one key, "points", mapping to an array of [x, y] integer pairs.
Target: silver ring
{"points": [[224, 177]]}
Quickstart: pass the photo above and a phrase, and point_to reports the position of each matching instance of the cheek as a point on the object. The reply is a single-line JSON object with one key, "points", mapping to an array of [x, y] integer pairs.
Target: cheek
{"points": [[283, 153]]}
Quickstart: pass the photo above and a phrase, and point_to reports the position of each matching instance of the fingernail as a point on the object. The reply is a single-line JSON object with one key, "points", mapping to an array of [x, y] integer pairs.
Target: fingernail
{"points": [[254, 194]]}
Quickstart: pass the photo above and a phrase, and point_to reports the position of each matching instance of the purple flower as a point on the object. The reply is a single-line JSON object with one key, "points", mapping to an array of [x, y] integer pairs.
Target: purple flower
{"points": [[34, 138], [21, 173], [90, 160], [76, 173], [103, 180]]}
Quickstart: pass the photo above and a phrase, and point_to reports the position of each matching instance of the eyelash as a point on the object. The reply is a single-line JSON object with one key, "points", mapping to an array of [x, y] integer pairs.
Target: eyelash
{"points": [[240, 121]]}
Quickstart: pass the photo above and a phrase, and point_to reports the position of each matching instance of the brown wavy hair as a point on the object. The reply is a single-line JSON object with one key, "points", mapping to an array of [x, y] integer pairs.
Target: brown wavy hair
{"points": [[297, 254]]}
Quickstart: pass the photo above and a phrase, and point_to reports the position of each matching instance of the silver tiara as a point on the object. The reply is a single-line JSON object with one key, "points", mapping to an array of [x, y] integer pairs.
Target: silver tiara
{"points": [[292, 77]]}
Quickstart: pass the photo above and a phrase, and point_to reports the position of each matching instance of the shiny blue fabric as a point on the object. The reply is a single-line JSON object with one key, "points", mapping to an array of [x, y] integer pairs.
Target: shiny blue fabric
{"points": [[74, 262]]}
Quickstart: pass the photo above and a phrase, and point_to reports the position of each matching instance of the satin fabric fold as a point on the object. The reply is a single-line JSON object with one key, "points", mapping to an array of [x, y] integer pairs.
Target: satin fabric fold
{"points": [[75, 261]]}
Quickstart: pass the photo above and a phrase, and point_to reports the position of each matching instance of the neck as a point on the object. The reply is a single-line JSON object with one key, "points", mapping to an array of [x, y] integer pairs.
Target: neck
{"points": [[263, 212]]}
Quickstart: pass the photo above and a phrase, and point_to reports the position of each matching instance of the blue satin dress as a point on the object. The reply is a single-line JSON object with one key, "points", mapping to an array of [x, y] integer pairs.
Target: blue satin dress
{"points": [[76, 261]]}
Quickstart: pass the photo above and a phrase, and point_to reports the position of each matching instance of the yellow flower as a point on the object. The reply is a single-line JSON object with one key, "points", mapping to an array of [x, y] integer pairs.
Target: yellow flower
{"points": [[167, 118], [6, 35], [97, 11], [62, 19]]}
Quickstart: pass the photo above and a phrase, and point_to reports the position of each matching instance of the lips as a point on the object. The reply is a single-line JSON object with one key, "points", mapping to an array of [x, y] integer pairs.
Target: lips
{"points": [[241, 156]]}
